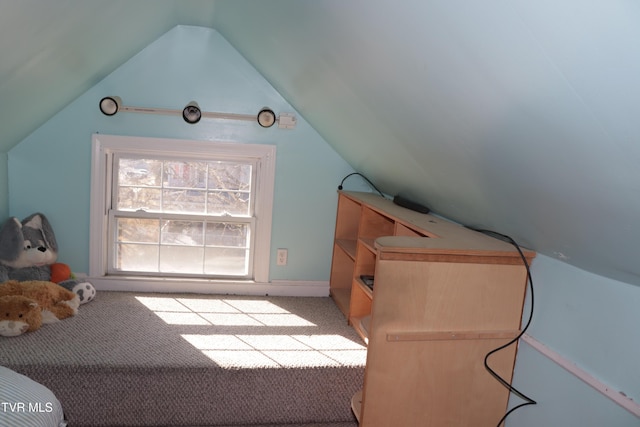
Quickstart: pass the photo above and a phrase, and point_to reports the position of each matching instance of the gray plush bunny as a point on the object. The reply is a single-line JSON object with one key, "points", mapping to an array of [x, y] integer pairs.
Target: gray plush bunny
{"points": [[28, 248]]}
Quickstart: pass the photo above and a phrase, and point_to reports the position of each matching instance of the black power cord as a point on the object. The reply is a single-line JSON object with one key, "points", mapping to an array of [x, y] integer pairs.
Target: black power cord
{"points": [[365, 178], [512, 389]]}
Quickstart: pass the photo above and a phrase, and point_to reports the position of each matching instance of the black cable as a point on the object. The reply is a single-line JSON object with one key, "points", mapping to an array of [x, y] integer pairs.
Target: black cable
{"points": [[512, 389], [365, 178]]}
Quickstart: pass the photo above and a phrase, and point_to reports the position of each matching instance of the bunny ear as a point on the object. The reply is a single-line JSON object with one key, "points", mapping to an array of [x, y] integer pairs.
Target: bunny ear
{"points": [[40, 222], [11, 240]]}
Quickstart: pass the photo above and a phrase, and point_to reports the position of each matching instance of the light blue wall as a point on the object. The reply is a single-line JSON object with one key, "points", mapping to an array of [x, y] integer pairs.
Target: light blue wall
{"points": [[49, 171], [4, 186], [593, 322]]}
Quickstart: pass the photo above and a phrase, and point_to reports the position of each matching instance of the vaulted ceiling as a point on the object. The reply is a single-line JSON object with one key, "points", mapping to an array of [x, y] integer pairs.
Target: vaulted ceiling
{"points": [[519, 116]]}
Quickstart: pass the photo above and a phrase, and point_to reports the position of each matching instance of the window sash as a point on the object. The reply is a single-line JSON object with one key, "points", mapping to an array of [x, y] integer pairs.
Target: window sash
{"points": [[162, 188], [114, 244]]}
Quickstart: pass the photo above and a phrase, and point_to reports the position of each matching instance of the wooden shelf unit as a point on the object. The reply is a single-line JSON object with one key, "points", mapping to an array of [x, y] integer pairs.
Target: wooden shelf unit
{"points": [[361, 219], [443, 297]]}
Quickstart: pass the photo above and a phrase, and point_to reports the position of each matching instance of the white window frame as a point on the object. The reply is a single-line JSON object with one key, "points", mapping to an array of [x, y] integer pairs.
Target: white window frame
{"points": [[105, 147]]}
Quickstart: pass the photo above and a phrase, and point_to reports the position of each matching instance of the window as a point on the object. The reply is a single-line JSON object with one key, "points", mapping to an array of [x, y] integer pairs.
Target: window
{"points": [[176, 208]]}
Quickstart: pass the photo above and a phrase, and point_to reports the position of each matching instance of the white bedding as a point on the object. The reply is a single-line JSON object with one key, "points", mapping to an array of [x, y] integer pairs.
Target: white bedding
{"points": [[26, 403]]}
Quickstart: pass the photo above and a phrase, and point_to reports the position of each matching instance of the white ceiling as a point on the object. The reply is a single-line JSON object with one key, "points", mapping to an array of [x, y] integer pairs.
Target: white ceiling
{"points": [[519, 116]]}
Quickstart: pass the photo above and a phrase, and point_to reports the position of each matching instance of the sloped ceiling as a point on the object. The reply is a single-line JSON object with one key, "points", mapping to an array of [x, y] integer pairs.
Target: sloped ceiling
{"points": [[53, 51], [518, 116]]}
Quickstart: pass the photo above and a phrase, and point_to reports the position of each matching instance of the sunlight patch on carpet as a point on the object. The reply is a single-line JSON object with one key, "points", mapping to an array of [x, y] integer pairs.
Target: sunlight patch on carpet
{"points": [[279, 351], [186, 311], [275, 343]]}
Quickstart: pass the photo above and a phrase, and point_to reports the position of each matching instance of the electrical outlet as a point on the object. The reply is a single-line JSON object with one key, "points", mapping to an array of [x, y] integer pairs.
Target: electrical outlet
{"points": [[282, 257]]}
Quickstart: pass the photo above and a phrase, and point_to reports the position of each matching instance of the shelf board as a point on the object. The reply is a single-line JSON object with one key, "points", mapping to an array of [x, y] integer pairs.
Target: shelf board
{"points": [[368, 243], [367, 290], [447, 238], [348, 246]]}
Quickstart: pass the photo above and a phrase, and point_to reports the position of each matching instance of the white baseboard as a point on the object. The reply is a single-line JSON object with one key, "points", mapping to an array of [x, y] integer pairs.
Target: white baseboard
{"points": [[171, 285]]}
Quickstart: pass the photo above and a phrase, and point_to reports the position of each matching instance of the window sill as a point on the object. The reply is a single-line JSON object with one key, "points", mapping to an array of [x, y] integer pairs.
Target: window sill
{"points": [[207, 286]]}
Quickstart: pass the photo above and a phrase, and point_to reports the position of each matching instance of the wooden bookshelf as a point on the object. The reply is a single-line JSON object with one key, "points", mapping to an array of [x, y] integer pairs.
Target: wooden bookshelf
{"points": [[443, 296]]}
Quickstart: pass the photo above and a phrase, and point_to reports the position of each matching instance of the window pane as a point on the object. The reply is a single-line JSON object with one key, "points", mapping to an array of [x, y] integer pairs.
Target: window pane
{"points": [[135, 198], [181, 259], [184, 201], [138, 184], [227, 234], [185, 174], [188, 233], [227, 202], [132, 257], [138, 230], [226, 261], [229, 176], [139, 172]]}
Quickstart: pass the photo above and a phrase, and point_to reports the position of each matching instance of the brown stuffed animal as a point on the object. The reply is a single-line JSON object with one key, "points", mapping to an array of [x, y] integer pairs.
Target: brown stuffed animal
{"points": [[18, 314], [55, 302]]}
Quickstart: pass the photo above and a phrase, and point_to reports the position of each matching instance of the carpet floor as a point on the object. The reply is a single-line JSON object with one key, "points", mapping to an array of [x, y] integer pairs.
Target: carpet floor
{"points": [[131, 359]]}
